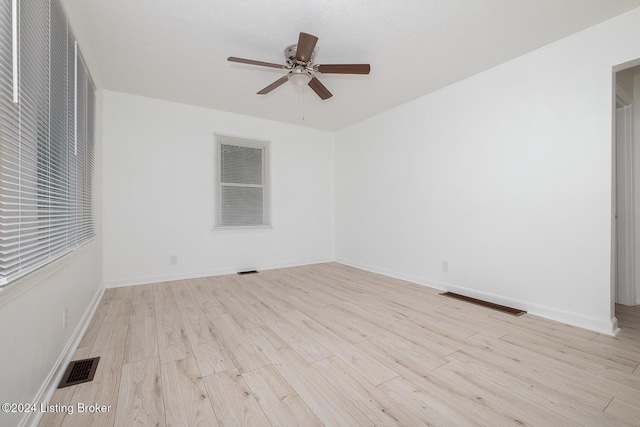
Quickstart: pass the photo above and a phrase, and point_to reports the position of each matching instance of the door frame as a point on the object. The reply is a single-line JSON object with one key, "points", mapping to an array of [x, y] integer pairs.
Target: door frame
{"points": [[627, 295]]}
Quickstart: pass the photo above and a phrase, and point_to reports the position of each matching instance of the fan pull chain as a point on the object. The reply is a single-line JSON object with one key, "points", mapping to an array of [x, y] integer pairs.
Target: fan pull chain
{"points": [[303, 92], [298, 109]]}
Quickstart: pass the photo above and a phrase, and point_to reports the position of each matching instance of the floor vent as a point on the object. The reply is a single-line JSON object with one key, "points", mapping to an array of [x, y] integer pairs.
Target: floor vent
{"points": [[502, 308], [79, 371], [247, 272]]}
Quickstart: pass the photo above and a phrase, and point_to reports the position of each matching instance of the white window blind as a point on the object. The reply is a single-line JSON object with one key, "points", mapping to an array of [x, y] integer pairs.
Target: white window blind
{"points": [[242, 182], [45, 183]]}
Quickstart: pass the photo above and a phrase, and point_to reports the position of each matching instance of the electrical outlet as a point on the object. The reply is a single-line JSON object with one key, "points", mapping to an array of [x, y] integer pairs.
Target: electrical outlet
{"points": [[445, 266], [65, 318], [173, 259]]}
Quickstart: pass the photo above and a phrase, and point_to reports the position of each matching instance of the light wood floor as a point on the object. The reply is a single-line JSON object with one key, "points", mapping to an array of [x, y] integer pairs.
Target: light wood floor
{"points": [[331, 345]]}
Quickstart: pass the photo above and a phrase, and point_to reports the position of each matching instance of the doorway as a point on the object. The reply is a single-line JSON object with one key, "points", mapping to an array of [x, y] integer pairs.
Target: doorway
{"points": [[624, 215], [626, 195]]}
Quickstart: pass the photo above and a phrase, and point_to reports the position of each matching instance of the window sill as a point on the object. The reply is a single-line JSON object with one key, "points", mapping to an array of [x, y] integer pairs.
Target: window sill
{"points": [[23, 284], [257, 229]]}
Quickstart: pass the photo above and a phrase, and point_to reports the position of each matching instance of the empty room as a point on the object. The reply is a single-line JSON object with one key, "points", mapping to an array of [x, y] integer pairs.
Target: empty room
{"points": [[320, 213]]}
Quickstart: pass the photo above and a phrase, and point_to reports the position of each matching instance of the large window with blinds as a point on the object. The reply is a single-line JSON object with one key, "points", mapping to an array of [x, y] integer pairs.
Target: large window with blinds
{"points": [[242, 184], [47, 109]]}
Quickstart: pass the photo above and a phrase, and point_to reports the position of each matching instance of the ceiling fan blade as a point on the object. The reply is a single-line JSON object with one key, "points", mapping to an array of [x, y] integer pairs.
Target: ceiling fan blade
{"points": [[320, 89], [273, 85], [252, 62], [343, 68], [304, 49]]}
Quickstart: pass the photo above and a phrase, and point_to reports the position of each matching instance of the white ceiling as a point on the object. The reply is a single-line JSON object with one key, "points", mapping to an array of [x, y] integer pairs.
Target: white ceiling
{"points": [[176, 49]]}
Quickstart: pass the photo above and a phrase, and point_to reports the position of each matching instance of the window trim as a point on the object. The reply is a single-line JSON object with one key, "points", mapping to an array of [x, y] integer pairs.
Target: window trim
{"points": [[264, 145]]}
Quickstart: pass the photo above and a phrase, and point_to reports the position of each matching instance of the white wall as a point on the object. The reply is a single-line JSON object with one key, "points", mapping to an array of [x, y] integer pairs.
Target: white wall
{"points": [[158, 193], [506, 175], [35, 348]]}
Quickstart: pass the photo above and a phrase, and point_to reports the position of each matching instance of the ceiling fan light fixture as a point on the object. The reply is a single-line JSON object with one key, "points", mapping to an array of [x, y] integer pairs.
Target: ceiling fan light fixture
{"points": [[299, 78]]}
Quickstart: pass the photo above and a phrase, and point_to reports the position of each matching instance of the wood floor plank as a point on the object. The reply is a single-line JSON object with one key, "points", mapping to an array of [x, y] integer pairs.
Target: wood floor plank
{"points": [[438, 340], [233, 402], [607, 347], [361, 326], [264, 294], [183, 296], [173, 343], [210, 354], [624, 411], [539, 325], [244, 354], [327, 403], [500, 399], [444, 329], [220, 286], [200, 289], [619, 370], [571, 375], [162, 294], [113, 330], [306, 347], [142, 336], [279, 402], [533, 388], [186, 400], [143, 294], [241, 285], [456, 317], [623, 341], [109, 294], [140, 400], [374, 403], [405, 363], [240, 312], [123, 293], [371, 369], [343, 327], [535, 367], [89, 337], [429, 408]]}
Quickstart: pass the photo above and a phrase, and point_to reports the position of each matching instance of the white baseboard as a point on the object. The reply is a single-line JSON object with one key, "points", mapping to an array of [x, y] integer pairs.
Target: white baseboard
{"points": [[608, 327], [50, 385], [208, 273]]}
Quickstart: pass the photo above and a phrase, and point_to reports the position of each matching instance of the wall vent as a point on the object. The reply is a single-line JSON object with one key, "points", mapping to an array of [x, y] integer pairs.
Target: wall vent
{"points": [[247, 272], [79, 371], [498, 307]]}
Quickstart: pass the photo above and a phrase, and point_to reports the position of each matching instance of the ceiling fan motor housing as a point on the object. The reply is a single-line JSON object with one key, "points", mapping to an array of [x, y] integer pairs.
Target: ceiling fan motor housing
{"points": [[290, 56]]}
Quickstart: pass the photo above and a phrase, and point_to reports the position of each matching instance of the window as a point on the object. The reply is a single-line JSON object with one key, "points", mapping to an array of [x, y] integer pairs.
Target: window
{"points": [[47, 109], [242, 189]]}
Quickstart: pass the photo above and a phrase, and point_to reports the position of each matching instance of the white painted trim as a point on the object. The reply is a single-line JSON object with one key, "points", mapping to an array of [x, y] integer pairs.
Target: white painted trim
{"points": [[597, 325], [250, 229], [209, 273], [50, 384], [625, 294]]}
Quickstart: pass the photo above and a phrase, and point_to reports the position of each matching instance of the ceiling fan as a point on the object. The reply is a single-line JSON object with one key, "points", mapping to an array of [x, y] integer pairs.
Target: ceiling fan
{"points": [[300, 68]]}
